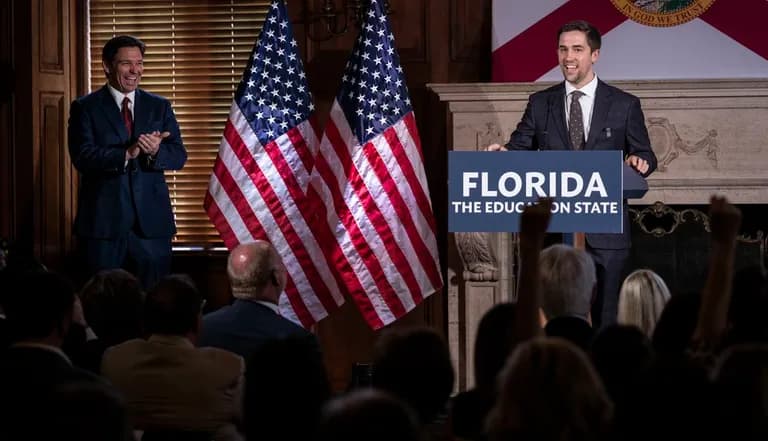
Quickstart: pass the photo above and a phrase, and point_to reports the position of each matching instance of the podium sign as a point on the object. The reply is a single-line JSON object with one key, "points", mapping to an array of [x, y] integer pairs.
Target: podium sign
{"points": [[487, 191]]}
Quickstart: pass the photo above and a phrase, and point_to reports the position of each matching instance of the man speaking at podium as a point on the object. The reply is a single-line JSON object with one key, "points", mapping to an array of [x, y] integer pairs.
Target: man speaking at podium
{"points": [[584, 113]]}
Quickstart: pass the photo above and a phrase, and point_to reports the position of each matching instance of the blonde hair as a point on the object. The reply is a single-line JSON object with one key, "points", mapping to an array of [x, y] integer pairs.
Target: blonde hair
{"points": [[642, 298], [549, 390]]}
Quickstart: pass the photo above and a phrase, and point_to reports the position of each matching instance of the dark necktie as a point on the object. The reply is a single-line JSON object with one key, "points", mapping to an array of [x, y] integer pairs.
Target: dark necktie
{"points": [[127, 117], [576, 121]]}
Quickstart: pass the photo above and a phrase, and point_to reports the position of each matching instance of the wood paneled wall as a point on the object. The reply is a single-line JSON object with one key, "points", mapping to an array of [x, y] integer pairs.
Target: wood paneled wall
{"points": [[41, 41], [37, 183]]}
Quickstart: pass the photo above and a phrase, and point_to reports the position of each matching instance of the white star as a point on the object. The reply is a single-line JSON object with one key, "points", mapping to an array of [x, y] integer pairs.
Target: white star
{"points": [[363, 85], [360, 98], [279, 65], [374, 88], [400, 69], [372, 101], [369, 130], [272, 20], [383, 119], [248, 96], [408, 101], [291, 70], [281, 52], [282, 38], [287, 97], [377, 60], [371, 13], [301, 89], [271, 34], [299, 114], [396, 110], [376, 75], [273, 106], [283, 24], [364, 69], [254, 69], [275, 92], [311, 106], [302, 75], [399, 82], [293, 43], [263, 88], [251, 83], [381, 34], [388, 79], [271, 119], [259, 115], [270, 133], [384, 106], [261, 101], [292, 57], [367, 42], [268, 47], [360, 111], [379, 46], [283, 125]]}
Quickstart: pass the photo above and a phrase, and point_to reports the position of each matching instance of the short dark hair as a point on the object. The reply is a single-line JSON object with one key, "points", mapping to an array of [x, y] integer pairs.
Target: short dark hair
{"points": [[113, 45], [113, 304], [38, 303], [172, 307], [593, 35]]}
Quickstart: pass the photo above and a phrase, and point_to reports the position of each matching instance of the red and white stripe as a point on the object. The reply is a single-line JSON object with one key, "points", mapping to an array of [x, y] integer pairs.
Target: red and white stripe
{"points": [[259, 193], [379, 209]]}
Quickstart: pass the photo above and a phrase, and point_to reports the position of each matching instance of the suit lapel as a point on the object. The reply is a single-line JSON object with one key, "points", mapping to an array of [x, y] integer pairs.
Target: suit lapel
{"points": [[112, 113], [557, 109], [599, 114], [141, 113]]}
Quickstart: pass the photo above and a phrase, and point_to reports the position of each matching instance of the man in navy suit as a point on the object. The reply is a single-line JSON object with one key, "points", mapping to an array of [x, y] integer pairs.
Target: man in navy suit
{"points": [[122, 139], [605, 118], [257, 276]]}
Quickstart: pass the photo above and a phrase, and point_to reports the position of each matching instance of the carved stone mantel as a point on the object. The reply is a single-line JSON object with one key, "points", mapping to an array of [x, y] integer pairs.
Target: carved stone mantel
{"points": [[710, 136]]}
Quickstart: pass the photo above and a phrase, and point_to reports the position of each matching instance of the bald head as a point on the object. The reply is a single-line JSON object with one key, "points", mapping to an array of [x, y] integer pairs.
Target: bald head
{"points": [[256, 272]]}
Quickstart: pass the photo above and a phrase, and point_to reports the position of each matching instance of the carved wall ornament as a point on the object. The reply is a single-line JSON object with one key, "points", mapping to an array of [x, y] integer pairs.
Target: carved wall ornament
{"points": [[477, 257], [661, 220], [491, 135], [668, 145]]}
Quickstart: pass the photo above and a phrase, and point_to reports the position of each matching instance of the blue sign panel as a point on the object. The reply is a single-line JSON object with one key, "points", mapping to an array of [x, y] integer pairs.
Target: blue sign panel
{"points": [[487, 191]]}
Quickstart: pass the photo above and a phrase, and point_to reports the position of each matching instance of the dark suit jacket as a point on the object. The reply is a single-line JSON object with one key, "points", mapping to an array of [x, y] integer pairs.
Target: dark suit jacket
{"points": [[617, 124], [28, 378], [108, 189], [244, 326]]}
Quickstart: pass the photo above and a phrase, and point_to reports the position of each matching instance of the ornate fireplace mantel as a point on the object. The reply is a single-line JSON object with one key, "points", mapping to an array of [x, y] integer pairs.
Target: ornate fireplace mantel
{"points": [[710, 136]]}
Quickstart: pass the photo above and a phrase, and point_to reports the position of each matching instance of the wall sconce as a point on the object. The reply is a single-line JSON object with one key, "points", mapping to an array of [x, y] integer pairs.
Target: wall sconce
{"points": [[335, 20]]}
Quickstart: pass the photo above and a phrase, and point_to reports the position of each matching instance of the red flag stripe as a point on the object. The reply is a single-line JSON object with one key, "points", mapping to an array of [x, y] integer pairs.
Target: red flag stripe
{"points": [[413, 169], [297, 303], [219, 221], [416, 235], [744, 22], [273, 203], [361, 179], [346, 215], [369, 300], [514, 61], [410, 123], [346, 272]]}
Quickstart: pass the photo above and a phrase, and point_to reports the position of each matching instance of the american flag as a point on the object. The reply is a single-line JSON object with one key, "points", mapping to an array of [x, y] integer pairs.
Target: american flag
{"points": [[258, 188], [370, 172]]}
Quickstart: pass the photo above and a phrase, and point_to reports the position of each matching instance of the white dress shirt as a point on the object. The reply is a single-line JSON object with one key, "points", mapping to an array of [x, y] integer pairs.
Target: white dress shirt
{"points": [[587, 103]]}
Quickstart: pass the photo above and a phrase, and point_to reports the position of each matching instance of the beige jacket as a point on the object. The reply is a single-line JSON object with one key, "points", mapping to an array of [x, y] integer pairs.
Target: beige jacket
{"points": [[170, 384]]}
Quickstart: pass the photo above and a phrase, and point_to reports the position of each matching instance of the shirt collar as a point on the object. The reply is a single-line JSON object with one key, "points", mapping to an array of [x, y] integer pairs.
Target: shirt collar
{"points": [[118, 96], [589, 89], [269, 305], [45, 347], [170, 340]]}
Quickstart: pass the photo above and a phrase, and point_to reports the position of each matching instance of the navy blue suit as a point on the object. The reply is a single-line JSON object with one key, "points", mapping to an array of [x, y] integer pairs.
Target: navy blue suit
{"points": [[245, 325], [124, 211], [617, 124]]}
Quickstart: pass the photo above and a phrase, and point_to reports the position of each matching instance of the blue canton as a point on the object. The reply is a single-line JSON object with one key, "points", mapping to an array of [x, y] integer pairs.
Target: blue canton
{"points": [[373, 93], [273, 93]]}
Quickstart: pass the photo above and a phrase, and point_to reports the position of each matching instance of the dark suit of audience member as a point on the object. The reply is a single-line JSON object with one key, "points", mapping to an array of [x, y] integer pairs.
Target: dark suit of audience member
{"points": [[168, 383], [611, 119], [257, 276], [415, 366], [34, 366], [122, 139], [567, 287]]}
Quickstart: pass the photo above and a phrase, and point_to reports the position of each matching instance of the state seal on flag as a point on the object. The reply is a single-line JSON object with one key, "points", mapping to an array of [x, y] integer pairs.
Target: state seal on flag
{"points": [[662, 13]]}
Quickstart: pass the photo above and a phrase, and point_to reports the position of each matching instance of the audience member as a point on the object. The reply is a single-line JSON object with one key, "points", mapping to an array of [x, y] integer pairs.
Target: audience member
{"points": [[167, 382], [549, 391], [567, 284], [415, 366], [39, 311], [641, 300], [368, 415], [257, 276], [112, 306], [286, 386]]}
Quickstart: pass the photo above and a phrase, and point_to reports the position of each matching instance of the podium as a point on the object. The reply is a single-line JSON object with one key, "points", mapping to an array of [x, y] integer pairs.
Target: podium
{"points": [[634, 187]]}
